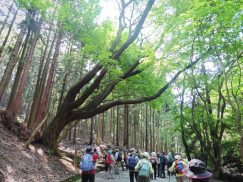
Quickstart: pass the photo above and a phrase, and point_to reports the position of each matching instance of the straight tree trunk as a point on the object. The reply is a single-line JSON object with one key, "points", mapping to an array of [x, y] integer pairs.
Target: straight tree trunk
{"points": [[6, 19], [42, 111], [17, 100], [153, 131], [91, 138], [19, 73], [74, 133], [111, 126], [150, 129], [40, 82], [8, 33], [117, 126], [12, 62], [146, 129]]}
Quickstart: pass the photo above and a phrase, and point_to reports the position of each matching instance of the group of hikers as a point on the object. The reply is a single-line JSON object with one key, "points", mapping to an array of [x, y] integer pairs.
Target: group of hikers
{"points": [[142, 166]]}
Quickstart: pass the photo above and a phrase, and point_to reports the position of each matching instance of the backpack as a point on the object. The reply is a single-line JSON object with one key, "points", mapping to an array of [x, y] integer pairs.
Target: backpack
{"points": [[95, 157], [162, 159], [170, 159], [144, 169], [132, 162], [153, 160], [119, 158], [179, 167], [108, 159], [87, 163]]}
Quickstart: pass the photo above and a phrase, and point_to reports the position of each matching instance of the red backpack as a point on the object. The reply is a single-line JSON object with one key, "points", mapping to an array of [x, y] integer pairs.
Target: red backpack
{"points": [[108, 159]]}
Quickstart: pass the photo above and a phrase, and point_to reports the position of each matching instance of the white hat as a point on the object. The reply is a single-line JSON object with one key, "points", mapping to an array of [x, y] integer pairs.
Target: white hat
{"points": [[178, 157], [153, 154], [146, 154]]}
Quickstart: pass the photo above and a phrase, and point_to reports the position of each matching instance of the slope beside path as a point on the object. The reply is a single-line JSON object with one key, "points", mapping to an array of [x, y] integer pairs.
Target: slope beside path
{"points": [[34, 164]]}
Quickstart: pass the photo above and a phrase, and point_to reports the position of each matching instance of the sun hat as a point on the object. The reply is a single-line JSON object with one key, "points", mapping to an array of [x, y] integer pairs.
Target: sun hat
{"points": [[178, 157], [146, 155], [153, 154], [196, 169]]}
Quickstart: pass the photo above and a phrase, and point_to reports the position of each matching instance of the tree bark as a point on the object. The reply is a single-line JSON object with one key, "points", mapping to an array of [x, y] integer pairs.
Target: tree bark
{"points": [[19, 73], [91, 139], [42, 109], [16, 104], [40, 82], [6, 19], [12, 62], [8, 33]]}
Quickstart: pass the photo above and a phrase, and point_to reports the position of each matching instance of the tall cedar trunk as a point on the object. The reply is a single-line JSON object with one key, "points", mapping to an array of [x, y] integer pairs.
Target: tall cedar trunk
{"points": [[111, 127], [91, 137], [99, 127], [12, 62], [117, 126], [125, 125], [150, 130], [74, 134], [42, 108], [140, 135], [42, 75], [8, 33], [146, 129], [6, 19], [17, 100], [19, 72], [153, 131], [102, 127]]}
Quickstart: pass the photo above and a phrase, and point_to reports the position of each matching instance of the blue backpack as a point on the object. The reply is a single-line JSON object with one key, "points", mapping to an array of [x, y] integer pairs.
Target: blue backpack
{"points": [[132, 162], [144, 169], [179, 167], [87, 163]]}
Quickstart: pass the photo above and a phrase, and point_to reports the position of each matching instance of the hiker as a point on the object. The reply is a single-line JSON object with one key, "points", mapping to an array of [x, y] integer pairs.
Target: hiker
{"points": [[196, 171], [178, 166], [154, 162], [162, 164], [144, 168], [170, 160], [123, 163], [109, 163], [131, 163], [118, 159], [87, 165]]}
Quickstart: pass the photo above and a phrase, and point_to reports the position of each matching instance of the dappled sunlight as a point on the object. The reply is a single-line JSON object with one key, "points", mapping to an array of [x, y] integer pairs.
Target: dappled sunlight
{"points": [[26, 154]]}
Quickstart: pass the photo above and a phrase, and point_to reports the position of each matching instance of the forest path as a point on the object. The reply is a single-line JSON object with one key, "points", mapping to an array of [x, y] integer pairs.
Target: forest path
{"points": [[124, 177]]}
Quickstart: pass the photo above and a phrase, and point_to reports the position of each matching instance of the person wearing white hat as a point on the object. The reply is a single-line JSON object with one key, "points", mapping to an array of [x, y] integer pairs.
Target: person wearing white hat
{"points": [[178, 166], [144, 168]]}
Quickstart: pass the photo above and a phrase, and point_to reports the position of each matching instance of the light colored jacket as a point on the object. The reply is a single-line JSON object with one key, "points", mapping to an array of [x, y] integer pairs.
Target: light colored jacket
{"points": [[139, 165]]}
